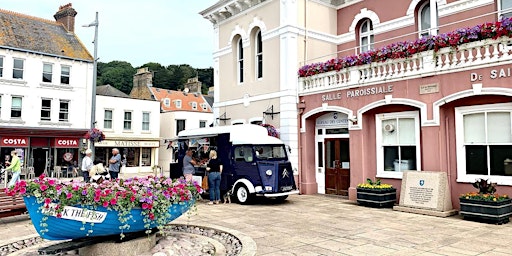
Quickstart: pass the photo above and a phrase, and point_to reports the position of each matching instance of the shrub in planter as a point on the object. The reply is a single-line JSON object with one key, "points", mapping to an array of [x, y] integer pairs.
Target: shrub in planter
{"points": [[375, 194], [485, 205]]}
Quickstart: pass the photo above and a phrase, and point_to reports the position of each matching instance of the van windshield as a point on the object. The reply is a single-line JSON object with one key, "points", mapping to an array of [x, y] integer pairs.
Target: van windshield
{"points": [[270, 151]]}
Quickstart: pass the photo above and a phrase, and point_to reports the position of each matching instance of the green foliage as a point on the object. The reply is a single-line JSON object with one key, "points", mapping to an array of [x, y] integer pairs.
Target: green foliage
{"points": [[484, 187], [119, 74]]}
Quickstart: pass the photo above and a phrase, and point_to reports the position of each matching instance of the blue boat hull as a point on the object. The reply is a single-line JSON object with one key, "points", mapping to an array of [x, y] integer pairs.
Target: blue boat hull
{"points": [[65, 229]]}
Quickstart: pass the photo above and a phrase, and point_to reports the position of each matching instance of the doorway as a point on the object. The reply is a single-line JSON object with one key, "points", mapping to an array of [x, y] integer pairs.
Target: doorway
{"points": [[40, 156], [337, 166]]}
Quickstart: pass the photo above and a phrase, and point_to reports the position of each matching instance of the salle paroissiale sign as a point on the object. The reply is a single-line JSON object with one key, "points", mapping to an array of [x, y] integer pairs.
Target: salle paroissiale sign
{"points": [[359, 92]]}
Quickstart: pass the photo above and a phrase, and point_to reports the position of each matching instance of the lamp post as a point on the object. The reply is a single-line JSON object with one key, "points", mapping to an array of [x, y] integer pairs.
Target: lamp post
{"points": [[94, 77]]}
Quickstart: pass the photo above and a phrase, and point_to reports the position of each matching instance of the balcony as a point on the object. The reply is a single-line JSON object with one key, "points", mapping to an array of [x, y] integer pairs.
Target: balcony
{"points": [[468, 56]]}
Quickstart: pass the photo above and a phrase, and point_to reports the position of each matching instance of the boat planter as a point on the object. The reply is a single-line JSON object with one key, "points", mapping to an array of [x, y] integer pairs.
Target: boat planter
{"points": [[496, 212], [376, 197]]}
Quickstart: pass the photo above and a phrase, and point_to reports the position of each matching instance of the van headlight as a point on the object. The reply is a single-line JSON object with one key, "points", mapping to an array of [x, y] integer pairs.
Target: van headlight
{"points": [[268, 172]]}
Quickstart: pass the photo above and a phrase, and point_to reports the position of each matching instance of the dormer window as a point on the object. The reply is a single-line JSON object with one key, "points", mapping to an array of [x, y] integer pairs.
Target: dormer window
{"points": [[194, 105], [178, 103], [204, 106], [167, 102]]}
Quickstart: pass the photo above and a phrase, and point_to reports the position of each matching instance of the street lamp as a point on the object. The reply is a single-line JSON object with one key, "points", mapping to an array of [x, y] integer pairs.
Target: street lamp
{"points": [[94, 75]]}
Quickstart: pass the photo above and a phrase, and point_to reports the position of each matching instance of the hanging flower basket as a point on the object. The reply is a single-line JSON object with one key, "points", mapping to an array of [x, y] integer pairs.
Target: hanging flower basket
{"points": [[95, 135], [272, 131]]}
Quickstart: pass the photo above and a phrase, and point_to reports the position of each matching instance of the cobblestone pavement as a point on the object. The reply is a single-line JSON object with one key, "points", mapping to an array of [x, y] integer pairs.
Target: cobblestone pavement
{"points": [[323, 225]]}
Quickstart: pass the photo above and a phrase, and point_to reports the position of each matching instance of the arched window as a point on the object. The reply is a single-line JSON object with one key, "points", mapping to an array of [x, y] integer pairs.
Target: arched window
{"points": [[240, 61], [427, 20], [259, 55], [366, 35]]}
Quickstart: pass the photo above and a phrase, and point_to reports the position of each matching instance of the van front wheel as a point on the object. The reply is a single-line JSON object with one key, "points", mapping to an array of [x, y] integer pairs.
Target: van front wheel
{"points": [[242, 194]]}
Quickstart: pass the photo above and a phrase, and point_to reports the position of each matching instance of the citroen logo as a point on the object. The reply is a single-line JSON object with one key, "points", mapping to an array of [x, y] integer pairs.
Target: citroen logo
{"points": [[285, 173]]}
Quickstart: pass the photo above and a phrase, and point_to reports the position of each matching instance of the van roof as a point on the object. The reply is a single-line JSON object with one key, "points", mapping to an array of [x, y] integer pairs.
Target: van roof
{"points": [[239, 134]]}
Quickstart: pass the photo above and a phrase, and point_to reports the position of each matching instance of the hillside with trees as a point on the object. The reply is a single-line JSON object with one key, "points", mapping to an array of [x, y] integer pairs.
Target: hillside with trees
{"points": [[120, 75]]}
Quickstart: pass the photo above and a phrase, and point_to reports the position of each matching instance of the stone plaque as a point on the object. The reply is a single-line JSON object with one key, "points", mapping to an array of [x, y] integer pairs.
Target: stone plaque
{"points": [[426, 190], [429, 88]]}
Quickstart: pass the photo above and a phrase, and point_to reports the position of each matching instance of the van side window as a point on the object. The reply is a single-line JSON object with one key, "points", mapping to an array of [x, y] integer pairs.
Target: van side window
{"points": [[243, 154]]}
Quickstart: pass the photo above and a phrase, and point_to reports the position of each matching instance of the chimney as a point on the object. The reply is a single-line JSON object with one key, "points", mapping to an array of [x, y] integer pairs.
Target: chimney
{"points": [[66, 16]]}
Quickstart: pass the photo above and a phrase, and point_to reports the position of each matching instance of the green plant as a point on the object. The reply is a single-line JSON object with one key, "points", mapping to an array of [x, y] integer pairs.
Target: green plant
{"points": [[374, 185], [486, 192], [484, 186]]}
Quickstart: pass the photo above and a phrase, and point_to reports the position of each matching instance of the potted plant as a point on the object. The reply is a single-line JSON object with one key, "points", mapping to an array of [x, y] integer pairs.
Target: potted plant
{"points": [[376, 194], [485, 205]]}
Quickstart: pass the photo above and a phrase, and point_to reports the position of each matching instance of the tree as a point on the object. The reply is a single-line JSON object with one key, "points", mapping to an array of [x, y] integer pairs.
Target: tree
{"points": [[161, 76], [116, 73]]}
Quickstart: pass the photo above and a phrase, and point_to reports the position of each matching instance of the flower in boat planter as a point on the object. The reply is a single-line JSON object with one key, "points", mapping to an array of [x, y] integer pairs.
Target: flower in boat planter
{"points": [[95, 135], [154, 195], [486, 192], [375, 185]]}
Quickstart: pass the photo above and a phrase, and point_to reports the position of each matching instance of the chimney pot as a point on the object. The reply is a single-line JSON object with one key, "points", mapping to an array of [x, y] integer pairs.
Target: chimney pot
{"points": [[66, 16]]}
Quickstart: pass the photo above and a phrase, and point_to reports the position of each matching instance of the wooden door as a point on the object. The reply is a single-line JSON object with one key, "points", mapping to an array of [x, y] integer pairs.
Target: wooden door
{"points": [[337, 166]]}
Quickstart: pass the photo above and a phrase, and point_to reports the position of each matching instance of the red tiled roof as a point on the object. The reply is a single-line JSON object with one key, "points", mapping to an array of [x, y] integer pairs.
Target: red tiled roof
{"points": [[35, 34], [186, 99]]}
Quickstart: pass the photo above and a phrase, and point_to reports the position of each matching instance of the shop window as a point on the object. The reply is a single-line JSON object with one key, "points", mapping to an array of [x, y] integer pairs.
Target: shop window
{"points": [[107, 119], [259, 55], [398, 140], [484, 142], [47, 72], [132, 156], [16, 106], [427, 20], [46, 109], [17, 71], [505, 7], [64, 111], [1, 66], [366, 35], [127, 124], [65, 73], [180, 125], [146, 156], [145, 121]]}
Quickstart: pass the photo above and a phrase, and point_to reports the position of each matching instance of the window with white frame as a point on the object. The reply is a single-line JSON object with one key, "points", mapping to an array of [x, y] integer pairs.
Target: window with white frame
{"points": [[180, 125], [167, 102], [259, 55], [177, 103], [145, 121], [127, 124], [398, 143], [505, 7], [1, 66], [427, 20], [47, 72], [202, 124], [484, 142], [16, 106], [46, 109], [194, 105], [240, 61], [107, 119], [366, 35], [204, 106], [17, 70], [65, 72], [146, 156], [64, 111]]}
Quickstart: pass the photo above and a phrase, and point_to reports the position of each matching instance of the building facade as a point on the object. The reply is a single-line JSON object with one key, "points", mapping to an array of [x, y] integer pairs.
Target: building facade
{"points": [[46, 78], [422, 86], [130, 125]]}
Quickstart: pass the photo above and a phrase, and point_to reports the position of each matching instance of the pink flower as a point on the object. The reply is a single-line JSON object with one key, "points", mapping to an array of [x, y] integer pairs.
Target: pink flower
{"points": [[51, 182], [145, 206], [105, 204], [23, 190], [113, 201], [47, 201], [69, 195], [59, 215], [43, 187], [96, 199]]}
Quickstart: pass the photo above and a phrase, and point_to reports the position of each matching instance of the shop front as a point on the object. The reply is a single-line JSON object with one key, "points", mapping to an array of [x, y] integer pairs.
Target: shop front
{"points": [[137, 156], [10, 143], [458, 123]]}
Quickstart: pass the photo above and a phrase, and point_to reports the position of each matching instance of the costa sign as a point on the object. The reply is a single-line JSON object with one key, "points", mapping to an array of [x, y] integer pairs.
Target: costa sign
{"points": [[14, 142], [66, 143]]}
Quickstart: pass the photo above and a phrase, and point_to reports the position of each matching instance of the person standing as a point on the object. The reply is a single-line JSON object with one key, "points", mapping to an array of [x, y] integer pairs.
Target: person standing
{"points": [[87, 165], [114, 164], [15, 167], [214, 169], [188, 165]]}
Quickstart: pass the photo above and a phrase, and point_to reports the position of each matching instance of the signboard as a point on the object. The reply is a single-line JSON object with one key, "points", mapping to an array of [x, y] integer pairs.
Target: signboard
{"points": [[427, 190], [429, 88], [333, 119], [14, 141], [128, 143], [77, 214], [66, 143]]}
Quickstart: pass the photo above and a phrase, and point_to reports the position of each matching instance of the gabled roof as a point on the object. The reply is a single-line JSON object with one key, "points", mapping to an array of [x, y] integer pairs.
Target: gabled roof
{"points": [[27, 33], [108, 90], [186, 100]]}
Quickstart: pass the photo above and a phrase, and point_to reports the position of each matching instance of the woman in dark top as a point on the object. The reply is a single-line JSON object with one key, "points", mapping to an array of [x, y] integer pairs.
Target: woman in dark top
{"points": [[214, 169]]}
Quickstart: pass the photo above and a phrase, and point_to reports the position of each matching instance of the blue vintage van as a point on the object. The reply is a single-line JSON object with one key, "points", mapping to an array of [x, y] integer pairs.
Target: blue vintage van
{"points": [[254, 163]]}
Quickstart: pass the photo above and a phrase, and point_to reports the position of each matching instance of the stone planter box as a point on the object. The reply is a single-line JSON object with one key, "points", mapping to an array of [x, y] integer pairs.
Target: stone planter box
{"points": [[486, 211], [376, 198]]}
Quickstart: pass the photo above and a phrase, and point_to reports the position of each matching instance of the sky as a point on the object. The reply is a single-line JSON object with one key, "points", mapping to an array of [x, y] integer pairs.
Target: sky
{"points": [[163, 31]]}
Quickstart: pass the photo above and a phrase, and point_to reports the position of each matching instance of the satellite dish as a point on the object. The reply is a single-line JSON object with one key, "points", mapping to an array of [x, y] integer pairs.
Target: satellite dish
{"points": [[389, 128], [186, 90]]}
